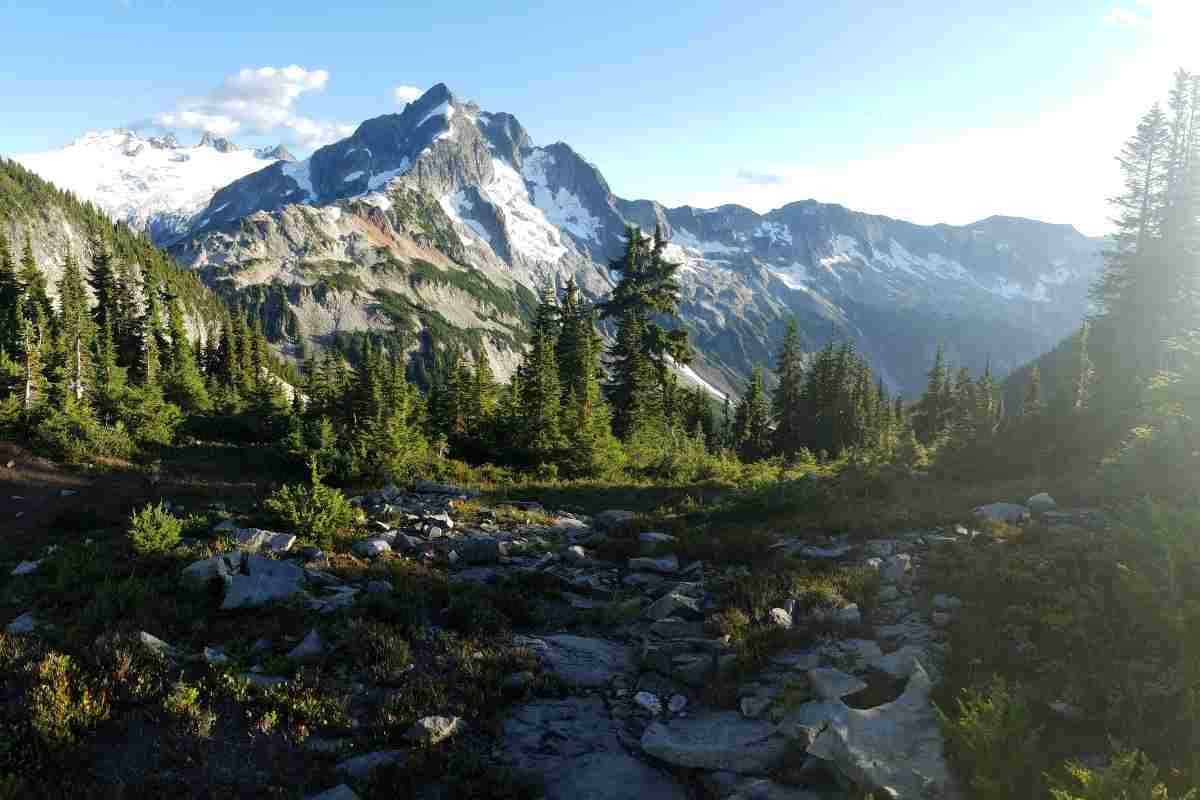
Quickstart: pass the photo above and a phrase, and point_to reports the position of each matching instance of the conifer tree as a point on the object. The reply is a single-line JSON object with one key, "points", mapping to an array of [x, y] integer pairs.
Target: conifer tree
{"points": [[182, 382], [541, 392], [150, 337], [33, 283], [788, 409], [1031, 398], [12, 316], [930, 413], [752, 420], [76, 334]]}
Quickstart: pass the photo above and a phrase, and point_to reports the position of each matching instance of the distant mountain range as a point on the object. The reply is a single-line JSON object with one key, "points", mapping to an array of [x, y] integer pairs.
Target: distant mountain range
{"points": [[439, 221]]}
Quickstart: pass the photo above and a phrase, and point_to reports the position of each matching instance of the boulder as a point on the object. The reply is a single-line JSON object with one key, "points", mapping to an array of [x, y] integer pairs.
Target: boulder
{"points": [[156, 645], [781, 618], [362, 766], [1041, 503], [833, 553], [894, 750], [652, 542], [429, 487], [833, 684], [1003, 512], [894, 568], [648, 702], [731, 786], [580, 660], [434, 730], [722, 740], [610, 520], [26, 623], [214, 655], [309, 650], [667, 565], [371, 548], [899, 663], [480, 550], [847, 615], [26, 568], [254, 540], [222, 566], [674, 604], [339, 792], [262, 581], [573, 748]]}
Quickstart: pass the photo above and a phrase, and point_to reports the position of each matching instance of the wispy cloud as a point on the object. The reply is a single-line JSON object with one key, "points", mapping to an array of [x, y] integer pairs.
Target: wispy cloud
{"points": [[260, 101], [406, 94], [1179, 17]]}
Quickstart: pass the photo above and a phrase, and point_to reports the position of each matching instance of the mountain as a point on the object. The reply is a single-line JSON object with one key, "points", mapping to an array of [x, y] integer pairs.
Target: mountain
{"points": [[56, 223], [154, 184], [437, 223]]}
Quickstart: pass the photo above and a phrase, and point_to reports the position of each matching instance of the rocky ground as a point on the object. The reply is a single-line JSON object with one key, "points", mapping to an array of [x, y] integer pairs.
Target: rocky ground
{"points": [[579, 657]]}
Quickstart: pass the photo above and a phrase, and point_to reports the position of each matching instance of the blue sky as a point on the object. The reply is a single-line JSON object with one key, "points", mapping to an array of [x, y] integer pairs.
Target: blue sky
{"points": [[922, 110]]}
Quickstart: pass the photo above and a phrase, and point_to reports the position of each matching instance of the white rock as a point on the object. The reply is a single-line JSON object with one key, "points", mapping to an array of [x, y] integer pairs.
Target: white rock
{"points": [[781, 618], [1041, 503], [649, 702], [371, 548], [678, 703], [215, 656], [26, 623], [722, 740], [833, 684], [26, 567], [309, 650], [667, 565], [433, 730]]}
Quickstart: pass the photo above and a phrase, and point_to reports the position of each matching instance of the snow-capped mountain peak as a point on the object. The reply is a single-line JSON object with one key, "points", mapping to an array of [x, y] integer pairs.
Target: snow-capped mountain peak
{"points": [[153, 183]]}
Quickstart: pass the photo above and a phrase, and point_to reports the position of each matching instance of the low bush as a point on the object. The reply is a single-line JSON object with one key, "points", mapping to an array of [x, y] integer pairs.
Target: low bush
{"points": [[315, 510], [154, 530], [62, 706]]}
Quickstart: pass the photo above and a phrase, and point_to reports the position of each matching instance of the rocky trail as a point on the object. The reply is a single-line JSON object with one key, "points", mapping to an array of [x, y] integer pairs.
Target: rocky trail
{"points": [[650, 702]]}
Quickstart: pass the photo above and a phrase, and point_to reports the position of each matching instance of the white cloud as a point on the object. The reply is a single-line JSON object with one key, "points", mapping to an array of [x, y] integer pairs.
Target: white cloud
{"points": [[1172, 17], [406, 94], [260, 101]]}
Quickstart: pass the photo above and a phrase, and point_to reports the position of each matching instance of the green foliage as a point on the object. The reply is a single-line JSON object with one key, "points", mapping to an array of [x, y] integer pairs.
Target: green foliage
{"points": [[73, 433], [191, 718], [154, 530], [994, 741], [315, 510], [62, 707], [1130, 776]]}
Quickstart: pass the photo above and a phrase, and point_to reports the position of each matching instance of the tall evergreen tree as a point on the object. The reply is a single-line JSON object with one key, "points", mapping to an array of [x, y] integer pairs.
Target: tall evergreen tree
{"points": [[788, 409], [540, 391], [76, 334], [12, 298], [752, 420]]}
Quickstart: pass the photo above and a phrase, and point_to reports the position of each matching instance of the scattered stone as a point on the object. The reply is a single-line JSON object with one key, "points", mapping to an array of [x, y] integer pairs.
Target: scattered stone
{"points": [[895, 568], [667, 565], [717, 741], [653, 542], [26, 623], [371, 548], [224, 526], [362, 766], [573, 748], [215, 656], [1003, 512], [1041, 503], [832, 684], [881, 547], [264, 681], [946, 602], [579, 660], [753, 706], [678, 703], [673, 605], [847, 615], [781, 618], [888, 592], [480, 550], [379, 587], [429, 487], [309, 650], [26, 567], [156, 645], [826, 553], [517, 682], [429, 731], [649, 702], [731, 786], [941, 618], [575, 555], [339, 792], [899, 664], [254, 540], [610, 520], [262, 581]]}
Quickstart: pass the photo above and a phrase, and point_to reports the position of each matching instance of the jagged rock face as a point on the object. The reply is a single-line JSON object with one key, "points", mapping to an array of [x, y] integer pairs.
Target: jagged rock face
{"points": [[998, 291]]}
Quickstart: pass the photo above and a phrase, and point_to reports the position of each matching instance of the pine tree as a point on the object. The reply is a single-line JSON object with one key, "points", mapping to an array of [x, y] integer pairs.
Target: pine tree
{"points": [[752, 420], [33, 282], [541, 393], [182, 382], [788, 409], [76, 334], [1031, 399], [930, 414], [642, 389], [150, 337], [12, 316], [1074, 391]]}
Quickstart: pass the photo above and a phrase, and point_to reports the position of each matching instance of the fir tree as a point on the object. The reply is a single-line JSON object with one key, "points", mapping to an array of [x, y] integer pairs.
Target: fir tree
{"points": [[182, 382], [36, 298], [541, 393], [788, 409], [76, 334], [752, 420], [12, 316], [150, 337], [1031, 398], [929, 419]]}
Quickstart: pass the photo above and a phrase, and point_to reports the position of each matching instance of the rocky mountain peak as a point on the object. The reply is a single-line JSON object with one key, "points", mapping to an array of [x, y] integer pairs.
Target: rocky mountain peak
{"points": [[218, 143], [278, 153]]}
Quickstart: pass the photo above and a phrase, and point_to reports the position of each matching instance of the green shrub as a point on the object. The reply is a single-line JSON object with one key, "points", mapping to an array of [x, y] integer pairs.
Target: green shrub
{"points": [[995, 742], [315, 510], [61, 705], [191, 718], [381, 652], [1130, 776], [154, 530], [73, 433]]}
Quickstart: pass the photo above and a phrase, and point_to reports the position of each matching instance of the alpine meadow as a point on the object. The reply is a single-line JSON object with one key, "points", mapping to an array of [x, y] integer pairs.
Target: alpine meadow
{"points": [[406, 459]]}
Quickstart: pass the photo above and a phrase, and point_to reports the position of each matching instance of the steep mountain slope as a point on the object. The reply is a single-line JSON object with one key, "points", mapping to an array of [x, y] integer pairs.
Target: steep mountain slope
{"points": [[318, 243], [55, 223], [154, 184]]}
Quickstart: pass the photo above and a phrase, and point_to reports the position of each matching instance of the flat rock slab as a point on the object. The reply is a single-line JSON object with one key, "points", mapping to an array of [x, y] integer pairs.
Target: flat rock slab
{"points": [[362, 766], [719, 741], [1003, 512], [731, 786], [262, 581], [833, 684], [572, 747], [581, 660], [895, 749], [255, 540], [339, 792]]}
